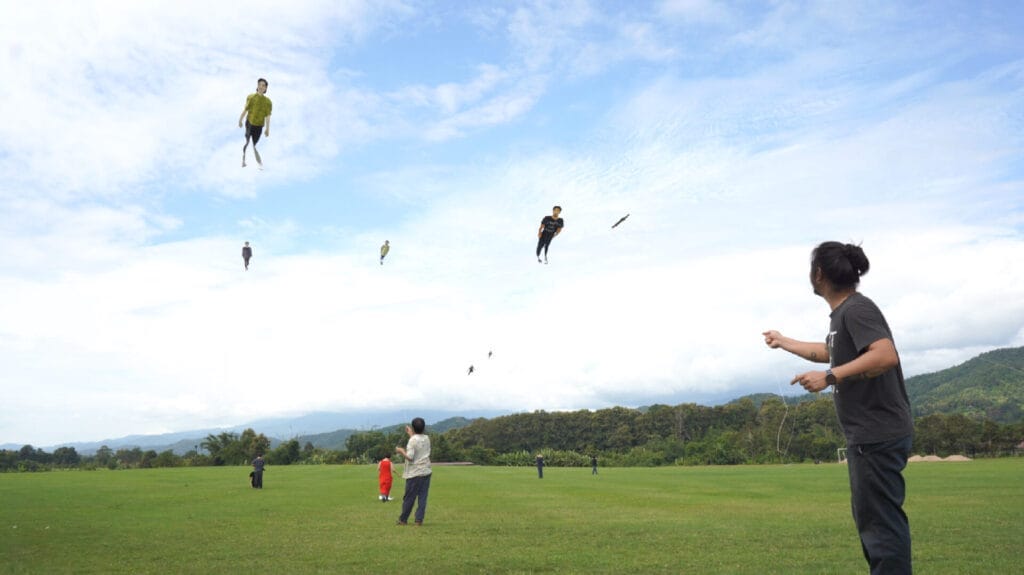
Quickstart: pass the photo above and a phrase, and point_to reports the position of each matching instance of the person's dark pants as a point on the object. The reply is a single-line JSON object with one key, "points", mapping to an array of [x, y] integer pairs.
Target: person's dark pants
{"points": [[540, 472], [544, 242], [877, 492], [253, 133], [415, 488], [257, 479], [594, 470]]}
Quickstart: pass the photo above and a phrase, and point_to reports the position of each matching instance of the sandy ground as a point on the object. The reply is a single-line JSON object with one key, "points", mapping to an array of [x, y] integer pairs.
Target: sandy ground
{"points": [[917, 458]]}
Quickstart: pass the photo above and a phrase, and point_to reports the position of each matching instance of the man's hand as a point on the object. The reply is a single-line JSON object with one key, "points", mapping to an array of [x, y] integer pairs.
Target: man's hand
{"points": [[813, 381], [773, 338]]}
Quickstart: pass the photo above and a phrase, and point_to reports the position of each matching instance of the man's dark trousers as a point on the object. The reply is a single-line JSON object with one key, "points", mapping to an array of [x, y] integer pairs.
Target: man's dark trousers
{"points": [[415, 487], [877, 492]]}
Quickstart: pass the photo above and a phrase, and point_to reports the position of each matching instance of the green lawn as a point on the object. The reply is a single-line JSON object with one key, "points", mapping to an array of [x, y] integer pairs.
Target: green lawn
{"points": [[965, 517]]}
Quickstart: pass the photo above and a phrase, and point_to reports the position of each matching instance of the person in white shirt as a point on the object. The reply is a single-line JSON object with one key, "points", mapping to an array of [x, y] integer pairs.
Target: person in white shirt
{"points": [[417, 471]]}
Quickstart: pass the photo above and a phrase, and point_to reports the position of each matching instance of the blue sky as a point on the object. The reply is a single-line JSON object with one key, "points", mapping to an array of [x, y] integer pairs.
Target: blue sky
{"points": [[737, 136]]}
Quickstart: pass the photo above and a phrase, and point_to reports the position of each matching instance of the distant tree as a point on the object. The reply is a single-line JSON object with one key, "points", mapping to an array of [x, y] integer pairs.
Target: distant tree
{"points": [[622, 438], [250, 445], [166, 459], [443, 450], [148, 457], [223, 448], [66, 457], [103, 456], [285, 454], [8, 460], [658, 422], [364, 444], [129, 457], [29, 453]]}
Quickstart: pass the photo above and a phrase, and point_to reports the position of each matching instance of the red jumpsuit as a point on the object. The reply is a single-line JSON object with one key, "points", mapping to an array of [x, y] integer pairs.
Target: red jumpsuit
{"points": [[384, 476]]}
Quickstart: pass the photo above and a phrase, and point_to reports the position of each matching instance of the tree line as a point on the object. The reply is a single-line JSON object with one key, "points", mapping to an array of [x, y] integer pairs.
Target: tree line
{"points": [[215, 450], [741, 432]]}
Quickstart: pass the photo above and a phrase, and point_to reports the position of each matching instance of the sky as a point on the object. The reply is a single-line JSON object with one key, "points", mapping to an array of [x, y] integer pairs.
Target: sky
{"points": [[736, 135]]}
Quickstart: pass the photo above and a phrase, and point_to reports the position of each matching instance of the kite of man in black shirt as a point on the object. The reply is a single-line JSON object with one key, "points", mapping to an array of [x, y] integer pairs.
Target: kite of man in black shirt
{"points": [[550, 227], [246, 254]]}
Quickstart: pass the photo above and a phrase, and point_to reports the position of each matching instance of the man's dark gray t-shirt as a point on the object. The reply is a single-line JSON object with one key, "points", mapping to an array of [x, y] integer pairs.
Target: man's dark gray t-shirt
{"points": [[875, 409]]}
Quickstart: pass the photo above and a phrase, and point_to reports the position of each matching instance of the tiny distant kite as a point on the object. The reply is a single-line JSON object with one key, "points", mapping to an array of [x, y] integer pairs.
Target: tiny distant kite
{"points": [[384, 249], [622, 219], [550, 227], [246, 254], [470, 372], [489, 354], [256, 114]]}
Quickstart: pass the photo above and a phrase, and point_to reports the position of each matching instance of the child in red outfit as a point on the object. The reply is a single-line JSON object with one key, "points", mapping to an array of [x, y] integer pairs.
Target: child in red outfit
{"points": [[384, 477]]}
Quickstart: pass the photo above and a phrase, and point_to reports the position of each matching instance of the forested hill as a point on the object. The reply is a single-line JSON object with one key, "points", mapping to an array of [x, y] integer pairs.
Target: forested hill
{"points": [[760, 398], [990, 386], [336, 439]]}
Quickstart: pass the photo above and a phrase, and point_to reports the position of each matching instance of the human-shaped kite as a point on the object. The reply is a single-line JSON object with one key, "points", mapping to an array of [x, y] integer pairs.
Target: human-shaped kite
{"points": [[550, 227], [256, 115], [246, 254]]}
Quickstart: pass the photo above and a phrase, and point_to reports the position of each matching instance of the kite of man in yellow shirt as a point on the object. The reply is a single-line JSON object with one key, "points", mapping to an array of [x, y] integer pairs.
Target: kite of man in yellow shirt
{"points": [[257, 107]]}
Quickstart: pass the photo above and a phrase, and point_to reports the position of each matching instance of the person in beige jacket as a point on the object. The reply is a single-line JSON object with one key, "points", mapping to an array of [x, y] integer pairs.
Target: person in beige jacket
{"points": [[417, 471]]}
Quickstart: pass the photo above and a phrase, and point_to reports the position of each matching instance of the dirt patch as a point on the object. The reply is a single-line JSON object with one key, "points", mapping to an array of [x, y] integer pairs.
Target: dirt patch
{"points": [[917, 458]]}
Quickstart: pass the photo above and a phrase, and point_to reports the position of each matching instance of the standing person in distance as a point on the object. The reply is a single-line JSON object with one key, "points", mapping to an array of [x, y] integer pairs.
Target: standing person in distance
{"points": [[540, 466], [246, 254], [550, 227], [256, 115], [257, 469], [417, 471], [593, 465], [870, 398]]}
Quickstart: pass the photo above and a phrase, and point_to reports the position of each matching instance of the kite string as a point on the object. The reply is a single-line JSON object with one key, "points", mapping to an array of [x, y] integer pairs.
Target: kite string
{"points": [[782, 423]]}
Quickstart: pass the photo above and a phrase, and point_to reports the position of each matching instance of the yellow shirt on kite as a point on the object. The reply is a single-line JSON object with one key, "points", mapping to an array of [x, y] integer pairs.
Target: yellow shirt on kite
{"points": [[258, 107]]}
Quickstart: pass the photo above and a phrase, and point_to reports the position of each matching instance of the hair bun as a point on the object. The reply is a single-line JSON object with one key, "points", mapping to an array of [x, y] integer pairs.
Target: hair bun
{"points": [[859, 261]]}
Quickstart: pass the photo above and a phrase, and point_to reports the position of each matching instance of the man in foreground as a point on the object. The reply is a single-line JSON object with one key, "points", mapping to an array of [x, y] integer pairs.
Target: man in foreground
{"points": [[871, 402]]}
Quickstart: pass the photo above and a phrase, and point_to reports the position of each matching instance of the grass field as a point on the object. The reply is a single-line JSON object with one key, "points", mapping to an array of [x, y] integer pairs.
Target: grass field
{"points": [[965, 518]]}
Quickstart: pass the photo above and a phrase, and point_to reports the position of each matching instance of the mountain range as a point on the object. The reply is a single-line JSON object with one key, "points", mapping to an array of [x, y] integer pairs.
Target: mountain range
{"points": [[324, 429], [990, 385]]}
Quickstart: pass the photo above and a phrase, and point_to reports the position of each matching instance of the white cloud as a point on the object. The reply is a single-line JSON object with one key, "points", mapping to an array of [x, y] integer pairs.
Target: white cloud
{"points": [[110, 96], [696, 11]]}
